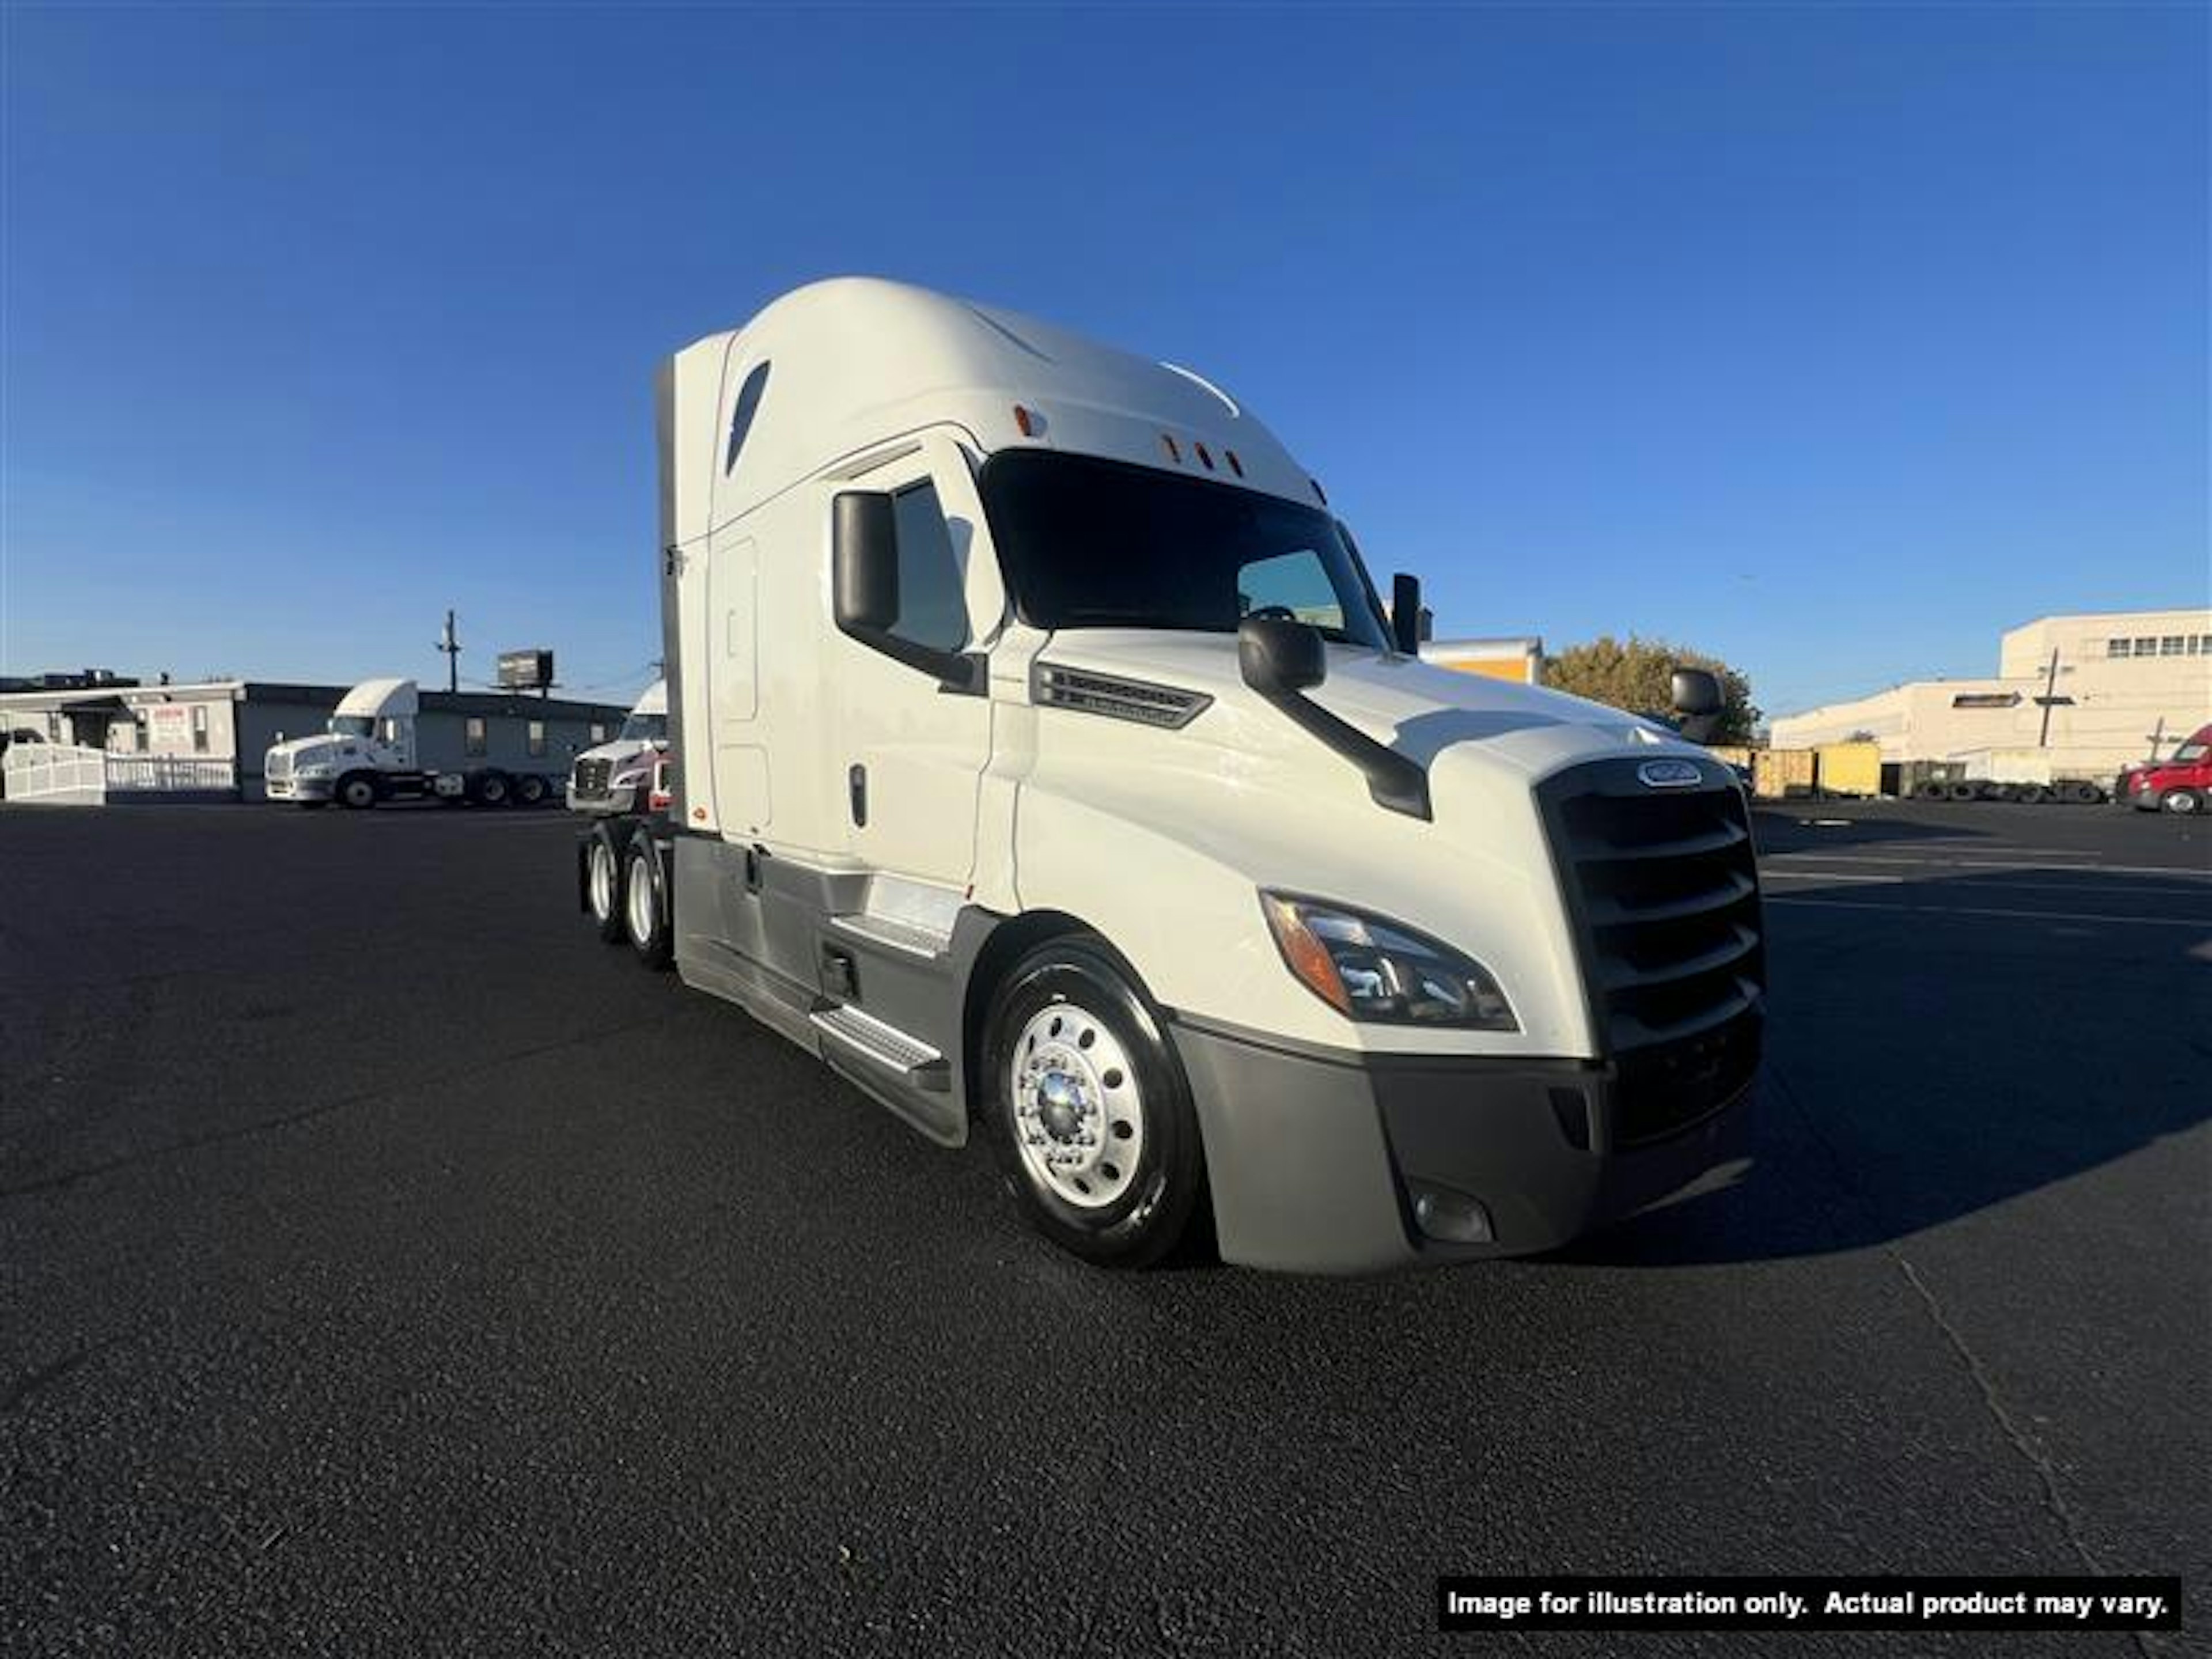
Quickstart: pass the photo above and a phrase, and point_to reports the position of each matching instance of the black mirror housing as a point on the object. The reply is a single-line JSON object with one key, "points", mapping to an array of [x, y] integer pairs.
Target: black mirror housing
{"points": [[1282, 660], [863, 589], [1406, 613], [864, 561], [1278, 657], [1697, 692]]}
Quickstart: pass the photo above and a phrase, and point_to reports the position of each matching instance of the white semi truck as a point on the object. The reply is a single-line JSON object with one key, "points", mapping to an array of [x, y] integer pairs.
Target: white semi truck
{"points": [[616, 776], [1044, 759], [370, 751]]}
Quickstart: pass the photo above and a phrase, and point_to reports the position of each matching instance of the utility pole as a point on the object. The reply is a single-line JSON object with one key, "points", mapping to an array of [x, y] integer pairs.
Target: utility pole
{"points": [[2050, 699], [452, 647]]}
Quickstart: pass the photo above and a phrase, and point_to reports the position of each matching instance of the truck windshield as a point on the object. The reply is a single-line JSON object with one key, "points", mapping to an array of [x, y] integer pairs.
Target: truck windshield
{"points": [[645, 728], [1095, 543], [352, 725]]}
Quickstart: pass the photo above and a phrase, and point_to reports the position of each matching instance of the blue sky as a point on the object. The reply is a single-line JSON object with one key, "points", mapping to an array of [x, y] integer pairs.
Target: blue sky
{"points": [[1833, 341]]}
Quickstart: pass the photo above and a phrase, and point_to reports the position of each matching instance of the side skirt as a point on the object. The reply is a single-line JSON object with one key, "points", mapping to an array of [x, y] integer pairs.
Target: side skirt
{"points": [[794, 947]]}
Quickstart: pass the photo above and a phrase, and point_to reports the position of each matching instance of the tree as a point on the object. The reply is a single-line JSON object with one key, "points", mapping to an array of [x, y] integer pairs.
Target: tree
{"points": [[1635, 675]]}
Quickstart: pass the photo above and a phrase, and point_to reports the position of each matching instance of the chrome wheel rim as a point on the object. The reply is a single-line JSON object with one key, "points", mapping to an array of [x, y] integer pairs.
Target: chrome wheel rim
{"points": [[602, 882], [1078, 1115], [640, 902]]}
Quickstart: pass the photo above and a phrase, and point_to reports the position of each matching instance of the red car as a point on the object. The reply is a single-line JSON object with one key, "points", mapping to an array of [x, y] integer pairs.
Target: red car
{"points": [[2182, 782]]}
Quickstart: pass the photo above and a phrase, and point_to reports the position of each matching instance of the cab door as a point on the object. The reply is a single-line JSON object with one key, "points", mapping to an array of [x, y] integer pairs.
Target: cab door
{"points": [[908, 755]]}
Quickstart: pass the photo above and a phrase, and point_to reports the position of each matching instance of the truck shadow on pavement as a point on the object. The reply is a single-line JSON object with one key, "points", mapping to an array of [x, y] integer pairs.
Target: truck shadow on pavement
{"points": [[1937, 1048]]}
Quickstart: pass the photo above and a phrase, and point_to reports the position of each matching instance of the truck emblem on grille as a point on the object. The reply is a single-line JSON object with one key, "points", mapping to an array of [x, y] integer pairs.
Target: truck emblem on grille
{"points": [[1669, 774]]}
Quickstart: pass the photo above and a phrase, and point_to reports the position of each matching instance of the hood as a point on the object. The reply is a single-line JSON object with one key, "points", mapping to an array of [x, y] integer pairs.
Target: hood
{"points": [[1244, 798], [1420, 710], [321, 746], [619, 753]]}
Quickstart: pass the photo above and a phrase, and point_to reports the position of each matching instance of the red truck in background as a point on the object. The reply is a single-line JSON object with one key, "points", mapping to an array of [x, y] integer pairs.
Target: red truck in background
{"points": [[2182, 782]]}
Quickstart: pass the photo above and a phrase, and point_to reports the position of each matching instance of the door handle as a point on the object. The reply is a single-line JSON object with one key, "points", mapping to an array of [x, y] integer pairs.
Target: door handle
{"points": [[856, 786]]}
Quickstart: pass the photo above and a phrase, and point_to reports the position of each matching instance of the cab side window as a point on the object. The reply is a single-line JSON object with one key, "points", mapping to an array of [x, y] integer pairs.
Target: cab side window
{"points": [[933, 585], [1295, 582]]}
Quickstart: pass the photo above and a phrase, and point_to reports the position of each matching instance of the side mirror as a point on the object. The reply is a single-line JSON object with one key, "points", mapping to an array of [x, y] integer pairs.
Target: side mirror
{"points": [[1278, 657], [1282, 660], [864, 561], [1406, 613], [863, 589], [1697, 691]]}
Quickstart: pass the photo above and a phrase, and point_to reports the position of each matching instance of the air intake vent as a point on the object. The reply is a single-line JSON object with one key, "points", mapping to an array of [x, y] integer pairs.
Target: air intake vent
{"points": [[1118, 699]]}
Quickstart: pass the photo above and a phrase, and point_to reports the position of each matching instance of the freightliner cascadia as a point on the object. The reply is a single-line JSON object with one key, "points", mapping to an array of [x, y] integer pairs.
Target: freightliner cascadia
{"points": [[1044, 759]]}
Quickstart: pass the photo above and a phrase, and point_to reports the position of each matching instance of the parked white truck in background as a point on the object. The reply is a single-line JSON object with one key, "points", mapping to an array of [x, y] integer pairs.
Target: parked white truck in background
{"points": [[1043, 760], [369, 753], [615, 776]]}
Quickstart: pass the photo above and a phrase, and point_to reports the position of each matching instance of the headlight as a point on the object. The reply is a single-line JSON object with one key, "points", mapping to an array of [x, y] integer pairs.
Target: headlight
{"points": [[1368, 969]]}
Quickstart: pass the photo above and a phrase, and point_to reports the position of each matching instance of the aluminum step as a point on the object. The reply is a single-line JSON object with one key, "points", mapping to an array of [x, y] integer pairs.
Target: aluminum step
{"points": [[912, 939], [914, 1060]]}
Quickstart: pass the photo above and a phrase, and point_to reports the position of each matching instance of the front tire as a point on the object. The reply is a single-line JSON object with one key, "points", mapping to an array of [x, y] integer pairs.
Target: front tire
{"points": [[2181, 801], [1088, 1108], [358, 792]]}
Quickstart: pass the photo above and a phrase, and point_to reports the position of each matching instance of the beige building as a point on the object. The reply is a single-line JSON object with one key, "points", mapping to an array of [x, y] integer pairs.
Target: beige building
{"points": [[2124, 680]]}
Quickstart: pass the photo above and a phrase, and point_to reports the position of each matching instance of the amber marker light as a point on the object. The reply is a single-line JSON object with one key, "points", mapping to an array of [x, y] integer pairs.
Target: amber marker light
{"points": [[1304, 955]]}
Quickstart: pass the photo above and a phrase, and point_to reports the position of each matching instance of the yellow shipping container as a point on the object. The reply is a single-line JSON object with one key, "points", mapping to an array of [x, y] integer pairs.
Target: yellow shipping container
{"points": [[1849, 768], [1776, 773]]}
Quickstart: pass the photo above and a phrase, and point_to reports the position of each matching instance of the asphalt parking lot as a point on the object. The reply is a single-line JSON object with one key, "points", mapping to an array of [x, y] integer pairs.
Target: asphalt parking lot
{"points": [[386, 1266]]}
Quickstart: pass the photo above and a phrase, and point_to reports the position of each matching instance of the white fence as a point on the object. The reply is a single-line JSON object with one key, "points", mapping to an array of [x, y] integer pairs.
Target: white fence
{"points": [[54, 774], [62, 775], [172, 773]]}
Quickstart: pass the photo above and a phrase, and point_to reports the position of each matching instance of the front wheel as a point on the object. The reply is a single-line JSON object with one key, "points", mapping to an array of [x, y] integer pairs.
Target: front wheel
{"points": [[2183, 801], [1088, 1110], [357, 791]]}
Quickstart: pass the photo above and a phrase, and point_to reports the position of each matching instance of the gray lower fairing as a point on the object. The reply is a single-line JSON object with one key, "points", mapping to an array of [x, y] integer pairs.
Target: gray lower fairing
{"points": [[762, 931]]}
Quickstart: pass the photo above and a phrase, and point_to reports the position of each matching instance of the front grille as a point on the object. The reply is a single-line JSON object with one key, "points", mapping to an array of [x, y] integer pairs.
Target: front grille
{"points": [[280, 765], [1117, 698], [1663, 889], [591, 779]]}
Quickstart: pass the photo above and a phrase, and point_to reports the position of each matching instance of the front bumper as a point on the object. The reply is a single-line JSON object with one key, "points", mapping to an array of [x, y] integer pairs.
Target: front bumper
{"points": [[618, 798], [298, 788], [1314, 1158]]}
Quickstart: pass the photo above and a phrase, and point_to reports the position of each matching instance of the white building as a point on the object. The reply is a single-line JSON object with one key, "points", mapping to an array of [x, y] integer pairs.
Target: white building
{"points": [[2125, 680]]}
